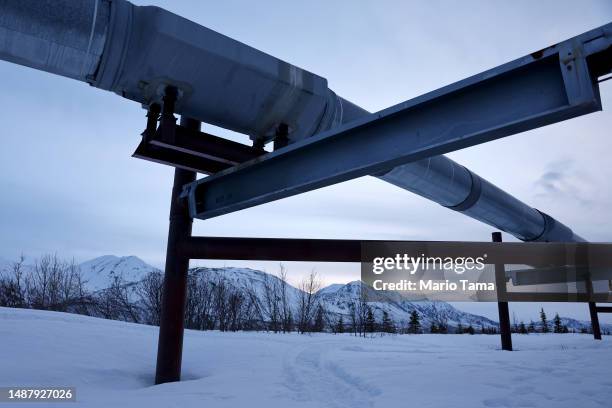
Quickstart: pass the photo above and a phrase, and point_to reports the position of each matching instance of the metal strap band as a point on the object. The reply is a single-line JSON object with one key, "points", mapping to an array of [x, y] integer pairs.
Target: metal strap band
{"points": [[472, 198]]}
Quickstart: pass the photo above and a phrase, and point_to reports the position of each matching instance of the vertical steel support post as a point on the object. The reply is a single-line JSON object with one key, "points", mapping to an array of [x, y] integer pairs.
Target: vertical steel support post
{"points": [[582, 258], [170, 346], [502, 304], [594, 321]]}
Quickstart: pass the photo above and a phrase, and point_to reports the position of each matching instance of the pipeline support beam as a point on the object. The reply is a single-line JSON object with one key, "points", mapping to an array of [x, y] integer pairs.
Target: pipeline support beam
{"points": [[138, 51], [171, 328], [542, 88]]}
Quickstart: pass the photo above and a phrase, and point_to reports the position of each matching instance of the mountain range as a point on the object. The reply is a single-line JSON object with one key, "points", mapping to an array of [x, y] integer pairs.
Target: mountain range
{"points": [[336, 298], [100, 273]]}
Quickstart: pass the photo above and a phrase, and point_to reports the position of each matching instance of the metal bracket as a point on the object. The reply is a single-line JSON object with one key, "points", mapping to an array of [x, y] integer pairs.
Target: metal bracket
{"points": [[186, 148]]}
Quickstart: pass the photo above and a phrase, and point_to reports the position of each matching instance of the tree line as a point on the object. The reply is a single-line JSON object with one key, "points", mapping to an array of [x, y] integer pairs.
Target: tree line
{"points": [[215, 303], [545, 326]]}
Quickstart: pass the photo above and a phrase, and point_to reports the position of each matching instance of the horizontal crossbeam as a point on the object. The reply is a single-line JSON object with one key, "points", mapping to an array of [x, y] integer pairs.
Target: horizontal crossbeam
{"points": [[540, 254], [545, 87], [205, 145], [559, 274], [178, 159], [339, 250], [190, 149], [272, 249], [557, 297]]}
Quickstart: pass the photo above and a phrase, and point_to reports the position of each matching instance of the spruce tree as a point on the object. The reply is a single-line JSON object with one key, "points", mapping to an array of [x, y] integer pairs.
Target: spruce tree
{"points": [[460, 328], [414, 324], [470, 329], [531, 328], [370, 323], [434, 328], [340, 325], [319, 323], [558, 328], [543, 321], [522, 328], [442, 327], [289, 322], [387, 323]]}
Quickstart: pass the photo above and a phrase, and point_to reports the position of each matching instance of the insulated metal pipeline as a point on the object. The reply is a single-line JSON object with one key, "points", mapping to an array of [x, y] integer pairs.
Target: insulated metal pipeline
{"points": [[137, 52], [453, 186]]}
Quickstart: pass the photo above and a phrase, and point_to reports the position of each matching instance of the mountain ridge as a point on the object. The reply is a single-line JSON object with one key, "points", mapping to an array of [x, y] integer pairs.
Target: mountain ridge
{"points": [[99, 273]]}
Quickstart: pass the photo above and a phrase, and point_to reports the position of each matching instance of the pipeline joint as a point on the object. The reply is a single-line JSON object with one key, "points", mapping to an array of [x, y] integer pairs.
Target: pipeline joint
{"points": [[472, 197]]}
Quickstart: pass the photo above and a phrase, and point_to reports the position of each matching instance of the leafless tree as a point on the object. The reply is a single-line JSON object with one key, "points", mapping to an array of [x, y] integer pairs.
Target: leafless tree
{"points": [[116, 303], [38, 283], [149, 289], [253, 316], [308, 301], [286, 314], [213, 302], [358, 311], [235, 308], [272, 302], [353, 319], [221, 295], [74, 294], [55, 285], [12, 285], [200, 313]]}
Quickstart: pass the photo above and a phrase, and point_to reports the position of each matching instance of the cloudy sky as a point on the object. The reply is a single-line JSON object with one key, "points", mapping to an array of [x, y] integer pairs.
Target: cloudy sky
{"points": [[68, 183]]}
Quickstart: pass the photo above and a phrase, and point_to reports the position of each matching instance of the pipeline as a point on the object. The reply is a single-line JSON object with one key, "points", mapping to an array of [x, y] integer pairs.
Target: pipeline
{"points": [[136, 52]]}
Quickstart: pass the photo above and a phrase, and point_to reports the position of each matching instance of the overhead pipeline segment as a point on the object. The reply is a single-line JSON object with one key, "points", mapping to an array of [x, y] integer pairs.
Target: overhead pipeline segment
{"points": [[137, 51]]}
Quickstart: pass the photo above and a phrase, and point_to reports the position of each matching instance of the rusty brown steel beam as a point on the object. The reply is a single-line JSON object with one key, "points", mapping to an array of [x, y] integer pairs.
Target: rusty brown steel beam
{"points": [[272, 249]]}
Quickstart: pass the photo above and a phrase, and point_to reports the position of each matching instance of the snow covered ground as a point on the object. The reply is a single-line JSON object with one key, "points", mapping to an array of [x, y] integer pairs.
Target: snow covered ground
{"points": [[112, 364]]}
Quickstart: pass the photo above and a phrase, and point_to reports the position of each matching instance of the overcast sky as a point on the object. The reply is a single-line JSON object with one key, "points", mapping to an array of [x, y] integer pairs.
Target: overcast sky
{"points": [[68, 183]]}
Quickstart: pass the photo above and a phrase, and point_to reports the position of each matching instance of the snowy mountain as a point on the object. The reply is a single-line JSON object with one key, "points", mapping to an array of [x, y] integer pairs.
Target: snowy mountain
{"points": [[339, 298], [333, 288], [246, 278], [576, 325], [100, 273]]}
